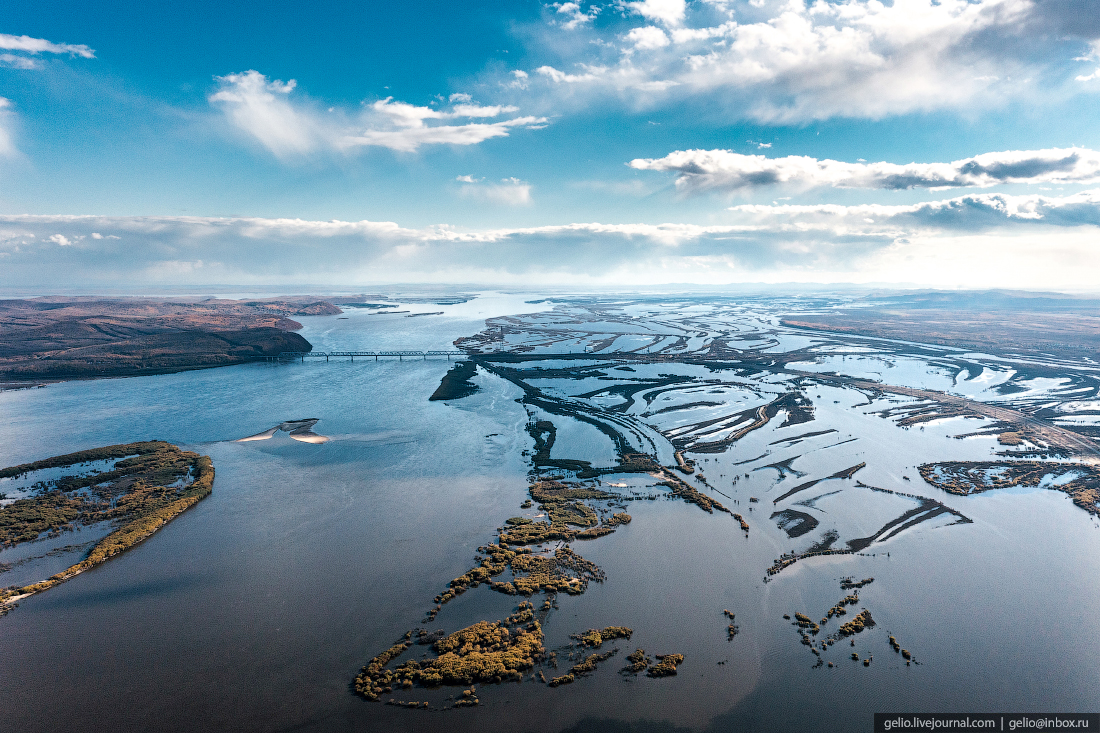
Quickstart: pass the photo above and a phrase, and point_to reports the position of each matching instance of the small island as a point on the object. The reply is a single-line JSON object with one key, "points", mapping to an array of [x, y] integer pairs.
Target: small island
{"points": [[145, 486]]}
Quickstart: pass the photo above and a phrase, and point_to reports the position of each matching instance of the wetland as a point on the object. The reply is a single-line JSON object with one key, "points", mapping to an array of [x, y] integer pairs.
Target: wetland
{"points": [[566, 530]]}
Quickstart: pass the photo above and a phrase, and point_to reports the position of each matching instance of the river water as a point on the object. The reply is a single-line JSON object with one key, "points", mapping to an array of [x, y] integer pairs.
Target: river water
{"points": [[255, 609]]}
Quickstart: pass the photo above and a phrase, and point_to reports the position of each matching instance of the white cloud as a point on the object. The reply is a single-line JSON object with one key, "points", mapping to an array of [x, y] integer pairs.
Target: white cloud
{"points": [[59, 239], [669, 12], [797, 60], [978, 240], [509, 192], [41, 45], [647, 38], [519, 80], [7, 145], [18, 62], [261, 108], [264, 110], [723, 170], [574, 14], [558, 77], [408, 138], [973, 212]]}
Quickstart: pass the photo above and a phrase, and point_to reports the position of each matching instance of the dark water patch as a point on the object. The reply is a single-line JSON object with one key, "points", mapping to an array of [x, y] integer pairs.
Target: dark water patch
{"points": [[794, 522], [846, 473], [810, 503], [783, 467], [685, 406], [124, 594], [804, 436]]}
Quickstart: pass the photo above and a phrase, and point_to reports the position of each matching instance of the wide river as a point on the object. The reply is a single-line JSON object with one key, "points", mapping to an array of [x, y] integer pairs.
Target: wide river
{"points": [[255, 609]]}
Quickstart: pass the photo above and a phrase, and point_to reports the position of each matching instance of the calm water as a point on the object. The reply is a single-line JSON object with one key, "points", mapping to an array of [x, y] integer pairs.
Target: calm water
{"points": [[255, 609]]}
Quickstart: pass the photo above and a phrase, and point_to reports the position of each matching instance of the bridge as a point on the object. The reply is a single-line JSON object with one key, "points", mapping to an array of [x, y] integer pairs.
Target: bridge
{"points": [[326, 355]]}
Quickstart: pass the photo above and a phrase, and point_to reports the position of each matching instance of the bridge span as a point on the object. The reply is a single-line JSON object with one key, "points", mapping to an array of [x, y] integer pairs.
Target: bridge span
{"points": [[327, 355]]}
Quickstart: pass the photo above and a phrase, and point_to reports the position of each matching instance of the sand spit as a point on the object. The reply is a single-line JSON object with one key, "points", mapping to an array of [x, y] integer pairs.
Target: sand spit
{"points": [[301, 430]]}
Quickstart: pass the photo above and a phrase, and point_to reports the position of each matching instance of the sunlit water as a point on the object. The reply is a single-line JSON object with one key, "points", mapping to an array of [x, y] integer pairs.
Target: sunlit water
{"points": [[255, 609]]}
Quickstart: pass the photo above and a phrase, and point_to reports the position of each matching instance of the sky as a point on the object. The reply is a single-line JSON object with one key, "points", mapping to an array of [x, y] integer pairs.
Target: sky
{"points": [[919, 143]]}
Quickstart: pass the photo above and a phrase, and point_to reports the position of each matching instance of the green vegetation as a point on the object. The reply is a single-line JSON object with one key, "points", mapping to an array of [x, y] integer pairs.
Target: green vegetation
{"points": [[456, 383], [971, 477], [733, 629], [562, 504], [590, 662], [565, 572], [691, 496], [666, 665], [862, 621], [849, 584], [839, 610], [488, 651], [142, 492], [595, 638], [638, 662]]}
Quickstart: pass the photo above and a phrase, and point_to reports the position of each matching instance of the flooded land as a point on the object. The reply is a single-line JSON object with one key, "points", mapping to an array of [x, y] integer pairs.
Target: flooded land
{"points": [[632, 513], [127, 492]]}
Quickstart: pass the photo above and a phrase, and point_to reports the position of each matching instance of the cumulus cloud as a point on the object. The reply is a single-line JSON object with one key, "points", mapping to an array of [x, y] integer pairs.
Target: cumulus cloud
{"points": [[647, 38], [669, 12], [724, 170], [574, 14], [264, 109], [509, 192], [975, 240], [799, 60]]}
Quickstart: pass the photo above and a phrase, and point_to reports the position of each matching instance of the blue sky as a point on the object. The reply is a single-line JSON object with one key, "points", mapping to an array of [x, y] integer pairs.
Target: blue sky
{"points": [[948, 143]]}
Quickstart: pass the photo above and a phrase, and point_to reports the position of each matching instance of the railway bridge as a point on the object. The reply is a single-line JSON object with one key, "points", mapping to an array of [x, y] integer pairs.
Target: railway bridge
{"points": [[400, 355]]}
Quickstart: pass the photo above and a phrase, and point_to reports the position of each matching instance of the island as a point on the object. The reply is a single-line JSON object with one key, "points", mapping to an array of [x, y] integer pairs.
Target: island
{"points": [[135, 487]]}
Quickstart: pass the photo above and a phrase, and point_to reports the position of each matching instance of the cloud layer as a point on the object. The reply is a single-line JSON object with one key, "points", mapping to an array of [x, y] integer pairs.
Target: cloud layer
{"points": [[973, 240], [784, 61], [724, 170], [264, 109]]}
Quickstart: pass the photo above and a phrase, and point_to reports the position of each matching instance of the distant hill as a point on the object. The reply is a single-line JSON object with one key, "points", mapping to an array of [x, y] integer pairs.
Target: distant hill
{"points": [[44, 339]]}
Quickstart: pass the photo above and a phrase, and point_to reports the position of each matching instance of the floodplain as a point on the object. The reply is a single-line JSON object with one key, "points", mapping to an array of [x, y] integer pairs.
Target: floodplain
{"points": [[735, 507]]}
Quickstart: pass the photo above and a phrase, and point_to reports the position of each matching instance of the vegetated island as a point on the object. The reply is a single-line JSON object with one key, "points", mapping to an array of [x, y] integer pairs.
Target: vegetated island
{"points": [[456, 383], [148, 485], [55, 338]]}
